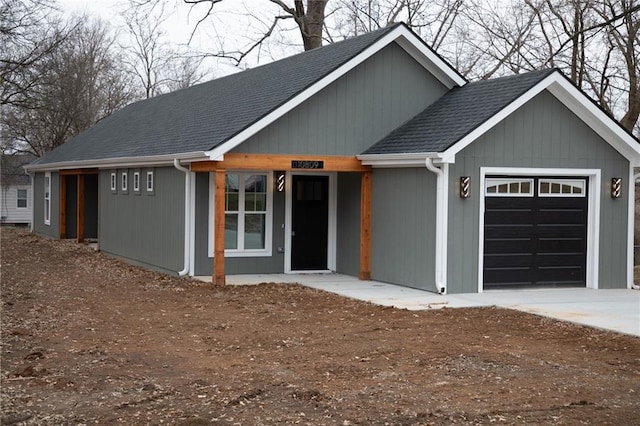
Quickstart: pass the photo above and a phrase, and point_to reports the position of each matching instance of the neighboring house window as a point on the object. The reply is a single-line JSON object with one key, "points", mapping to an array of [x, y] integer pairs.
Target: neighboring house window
{"points": [[47, 198], [125, 183], [22, 199], [246, 208], [149, 181], [136, 181], [114, 182]]}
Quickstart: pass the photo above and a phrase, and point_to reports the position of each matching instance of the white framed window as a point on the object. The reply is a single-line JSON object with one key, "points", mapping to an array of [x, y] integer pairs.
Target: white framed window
{"points": [[114, 182], [136, 181], [125, 182], [21, 199], [506, 187], [248, 214], [47, 198], [150, 181], [562, 188]]}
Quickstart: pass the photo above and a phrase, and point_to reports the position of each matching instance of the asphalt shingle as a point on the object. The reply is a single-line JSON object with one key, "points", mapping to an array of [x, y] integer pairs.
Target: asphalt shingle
{"points": [[204, 116], [456, 114]]}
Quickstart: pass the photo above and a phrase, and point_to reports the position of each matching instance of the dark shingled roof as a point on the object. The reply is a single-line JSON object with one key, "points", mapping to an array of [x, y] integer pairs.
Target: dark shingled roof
{"points": [[202, 117], [456, 114]]}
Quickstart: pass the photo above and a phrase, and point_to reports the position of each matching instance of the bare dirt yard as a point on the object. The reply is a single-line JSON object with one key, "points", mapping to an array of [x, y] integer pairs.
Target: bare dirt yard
{"points": [[87, 339]]}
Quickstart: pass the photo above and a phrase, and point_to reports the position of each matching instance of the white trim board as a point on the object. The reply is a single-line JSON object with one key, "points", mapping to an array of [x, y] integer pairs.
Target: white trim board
{"points": [[404, 37], [593, 214]]}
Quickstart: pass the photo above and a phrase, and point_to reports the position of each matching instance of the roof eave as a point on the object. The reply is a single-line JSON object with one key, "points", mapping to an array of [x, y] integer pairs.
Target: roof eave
{"points": [[121, 162], [397, 160]]}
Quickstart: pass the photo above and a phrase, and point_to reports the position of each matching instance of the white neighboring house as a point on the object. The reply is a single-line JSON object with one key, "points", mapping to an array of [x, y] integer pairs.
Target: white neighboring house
{"points": [[16, 202]]}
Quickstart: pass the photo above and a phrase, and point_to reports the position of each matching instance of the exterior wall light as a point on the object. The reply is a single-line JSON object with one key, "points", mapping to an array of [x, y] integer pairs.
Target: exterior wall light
{"points": [[464, 186], [280, 177], [616, 186]]}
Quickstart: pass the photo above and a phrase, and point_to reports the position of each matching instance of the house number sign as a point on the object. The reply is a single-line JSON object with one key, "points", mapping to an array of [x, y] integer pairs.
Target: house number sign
{"points": [[306, 164]]}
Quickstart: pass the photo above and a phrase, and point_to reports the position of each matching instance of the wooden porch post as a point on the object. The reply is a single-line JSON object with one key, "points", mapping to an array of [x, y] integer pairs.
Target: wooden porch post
{"points": [[218, 221], [365, 227], [80, 221], [63, 207]]}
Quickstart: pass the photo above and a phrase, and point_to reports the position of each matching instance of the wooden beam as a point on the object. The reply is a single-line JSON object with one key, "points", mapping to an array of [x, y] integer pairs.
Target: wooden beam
{"points": [[365, 227], [68, 172], [218, 221], [281, 162], [80, 208], [63, 207]]}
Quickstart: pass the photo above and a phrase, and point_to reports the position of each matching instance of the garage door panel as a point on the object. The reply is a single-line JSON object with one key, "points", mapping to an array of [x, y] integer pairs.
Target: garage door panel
{"points": [[511, 245], [536, 239], [515, 260], [514, 217], [561, 245], [507, 277]]}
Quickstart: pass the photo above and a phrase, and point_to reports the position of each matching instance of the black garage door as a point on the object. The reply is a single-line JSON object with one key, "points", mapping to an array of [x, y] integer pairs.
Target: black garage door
{"points": [[535, 232]]}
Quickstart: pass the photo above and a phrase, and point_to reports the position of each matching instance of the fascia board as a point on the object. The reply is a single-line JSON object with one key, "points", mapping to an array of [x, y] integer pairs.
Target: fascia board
{"points": [[577, 102], [122, 162], [594, 117], [405, 39]]}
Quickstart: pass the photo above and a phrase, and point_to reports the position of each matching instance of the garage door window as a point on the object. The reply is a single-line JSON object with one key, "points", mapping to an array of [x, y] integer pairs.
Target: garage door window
{"points": [[499, 187], [562, 187]]}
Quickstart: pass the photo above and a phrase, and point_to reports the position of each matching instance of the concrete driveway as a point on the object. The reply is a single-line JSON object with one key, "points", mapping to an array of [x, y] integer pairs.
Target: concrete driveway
{"points": [[615, 310]]}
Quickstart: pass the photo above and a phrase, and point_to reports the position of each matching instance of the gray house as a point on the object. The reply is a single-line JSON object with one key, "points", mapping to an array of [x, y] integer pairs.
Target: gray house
{"points": [[371, 157]]}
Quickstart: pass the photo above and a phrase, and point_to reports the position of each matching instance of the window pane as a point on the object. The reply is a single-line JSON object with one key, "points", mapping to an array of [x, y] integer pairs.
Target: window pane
{"points": [[231, 191], [230, 231], [514, 188], [232, 202], [525, 187], [249, 202], [254, 231], [255, 183]]}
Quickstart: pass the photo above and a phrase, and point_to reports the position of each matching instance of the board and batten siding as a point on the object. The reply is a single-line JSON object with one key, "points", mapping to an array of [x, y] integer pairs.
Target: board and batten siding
{"points": [[147, 229], [203, 264], [53, 229], [9, 210], [348, 224], [354, 112], [403, 227], [541, 134]]}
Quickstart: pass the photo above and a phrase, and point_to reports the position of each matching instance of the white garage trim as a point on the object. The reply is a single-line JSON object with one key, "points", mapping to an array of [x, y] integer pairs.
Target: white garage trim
{"points": [[593, 214]]}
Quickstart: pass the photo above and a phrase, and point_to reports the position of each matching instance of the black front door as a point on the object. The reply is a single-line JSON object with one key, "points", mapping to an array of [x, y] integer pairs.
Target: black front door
{"points": [[310, 223]]}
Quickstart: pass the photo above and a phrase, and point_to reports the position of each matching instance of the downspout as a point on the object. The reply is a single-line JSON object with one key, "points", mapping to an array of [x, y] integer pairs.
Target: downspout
{"points": [[187, 216], [441, 285]]}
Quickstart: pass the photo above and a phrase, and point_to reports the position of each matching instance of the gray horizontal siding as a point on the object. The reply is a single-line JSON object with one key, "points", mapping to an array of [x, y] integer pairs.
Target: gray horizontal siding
{"points": [[403, 227], [146, 229], [541, 134], [273, 264], [354, 112]]}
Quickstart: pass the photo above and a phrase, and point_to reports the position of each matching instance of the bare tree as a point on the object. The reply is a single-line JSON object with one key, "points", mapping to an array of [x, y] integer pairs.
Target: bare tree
{"points": [[78, 84], [309, 18], [147, 54], [27, 35]]}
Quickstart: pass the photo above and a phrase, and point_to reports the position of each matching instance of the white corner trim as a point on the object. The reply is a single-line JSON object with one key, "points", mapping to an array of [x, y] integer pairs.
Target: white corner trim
{"points": [[593, 214], [631, 226], [404, 38], [576, 102]]}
